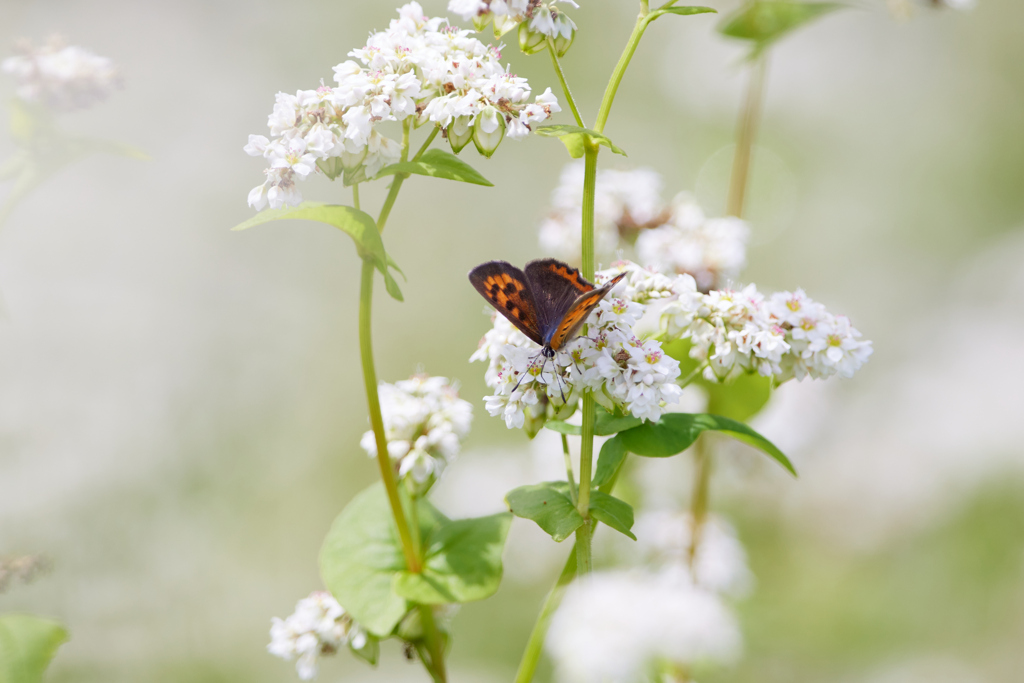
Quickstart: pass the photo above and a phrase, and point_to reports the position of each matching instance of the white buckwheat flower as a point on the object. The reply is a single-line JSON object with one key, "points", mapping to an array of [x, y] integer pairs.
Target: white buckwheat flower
{"points": [[542, 16], [614, 626], [61, 77], [318, 627], [623, 370], [418, 70], [425, 422], [786, 336]]}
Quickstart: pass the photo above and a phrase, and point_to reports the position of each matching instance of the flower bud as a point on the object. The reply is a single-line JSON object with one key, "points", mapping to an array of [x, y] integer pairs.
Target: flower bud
{"points": [[460, 132], [563, 42], [503, 25], [352, 160], [488, 130], [480, 21], [530, 41]]}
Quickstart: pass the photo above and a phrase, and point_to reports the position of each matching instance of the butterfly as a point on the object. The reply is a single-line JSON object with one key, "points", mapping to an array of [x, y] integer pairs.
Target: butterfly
{"points": [[548, 301]]}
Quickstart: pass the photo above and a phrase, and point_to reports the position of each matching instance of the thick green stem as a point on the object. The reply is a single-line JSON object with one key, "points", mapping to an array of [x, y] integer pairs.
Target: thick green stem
{"points": [[387, 472], [746, 134], [534, 646], [620, 70], [435, 645], [565, 84]]}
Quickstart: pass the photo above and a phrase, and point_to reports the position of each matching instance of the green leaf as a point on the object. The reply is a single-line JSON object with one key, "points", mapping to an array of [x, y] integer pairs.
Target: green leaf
{"points": [[675, 432], [765, 22], [355, 223], [618, 514], [683, 11], [613, 454], [462, 562], [27, 644], [605, 424], [362, 555], [573, 137], [740, 398], [438, 164], [548, 504]]}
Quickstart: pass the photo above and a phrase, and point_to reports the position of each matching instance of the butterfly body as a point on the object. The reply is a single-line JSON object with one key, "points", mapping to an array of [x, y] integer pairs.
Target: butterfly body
{"points": [[548, 301]]}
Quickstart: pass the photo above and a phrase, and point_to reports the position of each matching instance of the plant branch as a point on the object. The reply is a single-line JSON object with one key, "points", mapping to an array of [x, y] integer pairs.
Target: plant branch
{"points": [[568, 469], [746, 133], [620, 70], [565, 84], [435, 645]]}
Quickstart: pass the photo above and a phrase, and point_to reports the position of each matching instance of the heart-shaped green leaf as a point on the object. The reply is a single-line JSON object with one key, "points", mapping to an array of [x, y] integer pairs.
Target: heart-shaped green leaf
{"points": [[675, 432], [574, 138], [618, 514], [613, 454], [462, 562], [766, 21]]}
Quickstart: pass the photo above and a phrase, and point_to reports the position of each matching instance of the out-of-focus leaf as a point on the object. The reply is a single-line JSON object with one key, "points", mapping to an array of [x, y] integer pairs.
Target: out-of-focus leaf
{"points": [[675, 432], [548, 504], [765, 21], [618, 514], [573, 137], [27, 644], [370, 652], [462, 562], [437, 163], [362, 555], [355, 223], [740, 398]]}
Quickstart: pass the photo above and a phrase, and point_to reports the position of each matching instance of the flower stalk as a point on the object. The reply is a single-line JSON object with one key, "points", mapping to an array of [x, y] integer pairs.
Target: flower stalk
{"points": [[746, 133]]}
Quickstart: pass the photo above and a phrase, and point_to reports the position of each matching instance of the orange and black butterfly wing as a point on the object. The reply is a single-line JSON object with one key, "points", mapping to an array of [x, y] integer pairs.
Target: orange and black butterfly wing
{"points": [[578, 312], [556, 287], [508, 290]]}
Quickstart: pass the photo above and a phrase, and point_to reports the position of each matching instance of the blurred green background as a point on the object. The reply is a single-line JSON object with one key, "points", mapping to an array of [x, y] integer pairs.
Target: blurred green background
{"points": [[180, 405]]}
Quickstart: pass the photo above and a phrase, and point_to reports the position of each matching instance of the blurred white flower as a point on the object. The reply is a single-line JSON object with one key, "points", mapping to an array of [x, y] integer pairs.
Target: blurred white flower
{"points": [[665, 538], [612, 627], [61, 77], [712, 250], [319, 626], [425, 422], [418, 69], [542, 16]]}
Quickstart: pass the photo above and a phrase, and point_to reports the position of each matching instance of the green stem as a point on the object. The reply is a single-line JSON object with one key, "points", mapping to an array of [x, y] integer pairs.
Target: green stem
{"points": [[701, 491], [396, 184], [620, 69], [568, 469], [534, 646], [531, 656], [435, 645], [584, 562], [565, 84], [426, 143], [750, 117], [387, 471]]}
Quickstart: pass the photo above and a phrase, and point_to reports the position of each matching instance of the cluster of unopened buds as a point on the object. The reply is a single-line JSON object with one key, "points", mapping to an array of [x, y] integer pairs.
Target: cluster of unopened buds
{"points": [[425, 422], [419, 71], [675, 237], [538, 20], [60, 77], [318, 627]]}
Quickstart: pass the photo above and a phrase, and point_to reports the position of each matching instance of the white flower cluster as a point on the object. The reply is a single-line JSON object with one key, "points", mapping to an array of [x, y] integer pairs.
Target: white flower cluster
{"points": [[675, 238], [541, 16], [61, 77], [319, 626], [425, 422], [419, 69], [665, 540], [615, 626], [622, 370], [785, 335]]}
